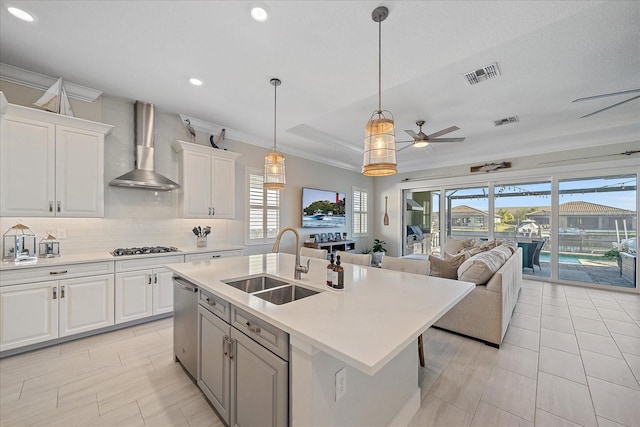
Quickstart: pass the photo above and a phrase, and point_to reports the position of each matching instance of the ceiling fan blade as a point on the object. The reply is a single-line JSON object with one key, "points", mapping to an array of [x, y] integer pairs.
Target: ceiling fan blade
{"points": [[586, 98], [610, 106], [412, 134], [403, 148], [443, 131], [446, 139]]}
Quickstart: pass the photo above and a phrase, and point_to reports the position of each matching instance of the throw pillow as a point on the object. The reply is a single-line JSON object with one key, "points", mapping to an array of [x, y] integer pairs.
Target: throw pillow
{"points": [[480, 268], [446, 268], [453, 246]]}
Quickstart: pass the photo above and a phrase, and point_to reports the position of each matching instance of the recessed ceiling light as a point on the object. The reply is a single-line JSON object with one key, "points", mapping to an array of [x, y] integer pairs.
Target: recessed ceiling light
{"points": [[20, 14], [259, 13], [195, 82]]}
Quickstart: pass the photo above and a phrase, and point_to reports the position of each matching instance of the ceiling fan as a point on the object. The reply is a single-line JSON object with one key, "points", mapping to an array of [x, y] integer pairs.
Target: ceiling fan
{"points": [[625, 92], [421, 139]]}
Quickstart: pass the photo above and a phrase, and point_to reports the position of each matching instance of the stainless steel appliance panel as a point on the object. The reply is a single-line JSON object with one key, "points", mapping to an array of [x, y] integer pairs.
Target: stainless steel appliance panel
{"points": [[185, 324]]}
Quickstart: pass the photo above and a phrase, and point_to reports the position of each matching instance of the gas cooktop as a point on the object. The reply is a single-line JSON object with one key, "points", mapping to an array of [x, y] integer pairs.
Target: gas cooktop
{"points": [[144, 250]]}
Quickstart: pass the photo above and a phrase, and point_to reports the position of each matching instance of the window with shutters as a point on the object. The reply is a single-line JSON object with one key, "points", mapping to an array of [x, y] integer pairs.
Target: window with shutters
{"points": [[360, 214], [264, 210]]}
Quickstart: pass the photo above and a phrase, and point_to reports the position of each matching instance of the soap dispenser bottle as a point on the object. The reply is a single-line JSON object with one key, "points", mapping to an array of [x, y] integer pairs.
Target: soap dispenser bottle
{"points": [[338, 276], [330, 268]]}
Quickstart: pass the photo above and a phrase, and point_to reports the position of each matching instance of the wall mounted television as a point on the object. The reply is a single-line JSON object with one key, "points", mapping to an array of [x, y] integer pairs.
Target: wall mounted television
{"points": [[323, 208]]}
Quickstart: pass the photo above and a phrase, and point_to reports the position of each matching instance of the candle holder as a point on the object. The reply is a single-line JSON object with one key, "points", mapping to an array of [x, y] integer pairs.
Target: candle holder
{"points": [[19, 244], [49, 247]]}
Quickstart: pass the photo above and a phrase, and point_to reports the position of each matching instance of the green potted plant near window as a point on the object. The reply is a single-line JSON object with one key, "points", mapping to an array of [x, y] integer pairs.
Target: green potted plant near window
{"points": [[378, 251]]}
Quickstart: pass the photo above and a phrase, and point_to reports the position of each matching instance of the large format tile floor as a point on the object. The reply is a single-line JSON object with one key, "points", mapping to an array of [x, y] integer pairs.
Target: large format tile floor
{"points": [[571, 357]]}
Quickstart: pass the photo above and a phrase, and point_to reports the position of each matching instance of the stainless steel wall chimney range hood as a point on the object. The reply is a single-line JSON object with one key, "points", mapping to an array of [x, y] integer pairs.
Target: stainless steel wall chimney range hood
{"points": [[144, 175]]}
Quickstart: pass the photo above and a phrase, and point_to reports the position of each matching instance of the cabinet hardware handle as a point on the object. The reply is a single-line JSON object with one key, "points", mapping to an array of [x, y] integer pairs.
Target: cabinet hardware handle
{"points": [[55, 292], [59, 206], [149, 278], [254, 329], [58, 272], [213, 211], [210, 302], [61, 291], [216, 256], [225, 340], [209, 211], [231, 344], [155, 277], [50, 206]]}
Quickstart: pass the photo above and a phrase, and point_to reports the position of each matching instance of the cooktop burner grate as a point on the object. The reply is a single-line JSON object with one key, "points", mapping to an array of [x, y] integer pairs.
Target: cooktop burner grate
{"points": [[144, 250]]}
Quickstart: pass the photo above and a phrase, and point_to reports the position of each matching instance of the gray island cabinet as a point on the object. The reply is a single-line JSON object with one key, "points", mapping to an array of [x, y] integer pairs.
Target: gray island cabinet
{"points": [[244, 381], [329, 359]]}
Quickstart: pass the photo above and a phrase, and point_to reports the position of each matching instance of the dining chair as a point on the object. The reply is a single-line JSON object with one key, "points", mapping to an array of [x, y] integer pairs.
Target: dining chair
{"points": [[351, 258], [415, 266], [313, 253]]}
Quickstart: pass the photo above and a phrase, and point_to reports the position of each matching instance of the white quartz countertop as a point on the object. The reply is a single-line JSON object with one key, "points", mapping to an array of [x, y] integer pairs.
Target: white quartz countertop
{"points": [[106, 256], [379, 313]]}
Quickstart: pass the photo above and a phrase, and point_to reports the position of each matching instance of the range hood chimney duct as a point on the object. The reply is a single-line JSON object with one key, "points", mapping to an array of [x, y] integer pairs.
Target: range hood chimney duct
{"points": [[144, 175]]}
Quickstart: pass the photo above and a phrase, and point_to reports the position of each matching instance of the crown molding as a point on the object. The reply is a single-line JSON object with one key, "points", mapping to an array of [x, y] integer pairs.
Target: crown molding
{"points": [[9, 73]]}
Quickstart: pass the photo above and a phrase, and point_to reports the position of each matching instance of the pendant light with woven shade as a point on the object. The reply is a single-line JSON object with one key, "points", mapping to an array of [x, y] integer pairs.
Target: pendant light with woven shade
{"points": [[274, 175], [380, 137]]}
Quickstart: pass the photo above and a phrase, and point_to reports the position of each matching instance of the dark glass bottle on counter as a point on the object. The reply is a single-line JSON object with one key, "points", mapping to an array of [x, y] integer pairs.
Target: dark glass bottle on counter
{"points": [[330, 268], [338, 276]]}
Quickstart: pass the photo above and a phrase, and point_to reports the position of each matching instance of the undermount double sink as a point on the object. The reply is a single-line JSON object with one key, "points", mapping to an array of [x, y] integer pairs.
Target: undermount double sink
{"points": [[270, 289]]}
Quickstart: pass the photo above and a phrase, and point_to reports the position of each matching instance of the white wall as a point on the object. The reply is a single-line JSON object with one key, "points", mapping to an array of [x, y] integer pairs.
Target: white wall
{"points": [[135, 217]]}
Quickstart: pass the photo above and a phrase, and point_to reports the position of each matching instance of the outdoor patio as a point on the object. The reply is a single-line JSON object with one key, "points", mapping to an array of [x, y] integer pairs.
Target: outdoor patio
{"points": [[597, 274]]}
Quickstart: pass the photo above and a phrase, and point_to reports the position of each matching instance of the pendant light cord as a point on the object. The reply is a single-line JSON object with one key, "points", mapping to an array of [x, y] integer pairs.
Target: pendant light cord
{"points": [[275, 113], [379, 67]]}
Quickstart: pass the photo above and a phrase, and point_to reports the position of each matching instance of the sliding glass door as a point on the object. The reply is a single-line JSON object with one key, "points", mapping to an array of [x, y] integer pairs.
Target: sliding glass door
{"points": [[597, 232], [421, 221], [523, 213]]}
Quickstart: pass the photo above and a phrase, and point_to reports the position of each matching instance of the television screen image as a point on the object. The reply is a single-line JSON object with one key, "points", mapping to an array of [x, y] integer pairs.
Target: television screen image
{"points": [[323, 209]]}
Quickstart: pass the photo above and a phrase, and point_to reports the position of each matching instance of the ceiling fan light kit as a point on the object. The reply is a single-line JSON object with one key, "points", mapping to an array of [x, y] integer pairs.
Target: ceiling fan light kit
{"points": [[380, 139], [274, 173]]}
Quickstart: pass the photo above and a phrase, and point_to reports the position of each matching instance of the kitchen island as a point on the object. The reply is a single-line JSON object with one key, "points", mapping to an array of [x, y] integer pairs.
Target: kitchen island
{"points": [[370, 329]]}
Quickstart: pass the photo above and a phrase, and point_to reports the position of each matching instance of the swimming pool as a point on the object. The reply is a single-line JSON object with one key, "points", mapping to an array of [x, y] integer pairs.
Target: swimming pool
{"points": [[572, 258]]}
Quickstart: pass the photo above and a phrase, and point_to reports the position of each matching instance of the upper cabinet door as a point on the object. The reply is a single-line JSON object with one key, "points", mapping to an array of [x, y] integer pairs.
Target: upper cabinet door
{"points": [[79, 173], [208, 181], [197, 185], [27, 153], [223, 200]]}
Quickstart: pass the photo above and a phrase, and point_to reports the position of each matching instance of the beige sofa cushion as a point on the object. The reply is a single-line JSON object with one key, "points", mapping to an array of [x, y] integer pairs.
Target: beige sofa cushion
{"points": [[446, 268], [479, 269], [453, 246]]}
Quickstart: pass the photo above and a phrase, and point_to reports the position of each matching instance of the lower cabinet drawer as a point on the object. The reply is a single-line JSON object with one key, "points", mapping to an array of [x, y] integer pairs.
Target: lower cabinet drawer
{"points": [[262, 332], [216, 305], [55, 272]]}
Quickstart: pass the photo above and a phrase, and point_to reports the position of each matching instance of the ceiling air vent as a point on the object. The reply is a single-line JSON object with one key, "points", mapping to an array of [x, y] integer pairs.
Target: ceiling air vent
{"points": [[506, 121], [485, 73]]}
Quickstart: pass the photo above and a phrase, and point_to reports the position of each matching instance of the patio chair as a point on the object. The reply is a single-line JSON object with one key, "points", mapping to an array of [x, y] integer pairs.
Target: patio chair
{"points": [[535, 259]]}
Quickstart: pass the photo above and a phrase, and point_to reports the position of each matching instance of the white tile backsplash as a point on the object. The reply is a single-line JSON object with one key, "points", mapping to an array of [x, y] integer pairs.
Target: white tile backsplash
{"points": [[106, 234]]}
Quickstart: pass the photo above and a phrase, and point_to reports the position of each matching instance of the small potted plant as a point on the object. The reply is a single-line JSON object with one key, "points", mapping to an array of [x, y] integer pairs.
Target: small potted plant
{"points": [[378, 251]]}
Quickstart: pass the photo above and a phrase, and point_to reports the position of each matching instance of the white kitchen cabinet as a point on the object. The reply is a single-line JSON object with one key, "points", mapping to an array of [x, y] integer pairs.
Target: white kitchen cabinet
{"points": [[144, 287], [211, 255], [207, 177], [51, 165], [85, 304], [37, 312], [28, 314]]}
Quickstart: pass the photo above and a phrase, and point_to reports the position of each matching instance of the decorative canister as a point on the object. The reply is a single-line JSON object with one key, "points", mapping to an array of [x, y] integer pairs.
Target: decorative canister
{"points": [[19, 244], [49, 247]]}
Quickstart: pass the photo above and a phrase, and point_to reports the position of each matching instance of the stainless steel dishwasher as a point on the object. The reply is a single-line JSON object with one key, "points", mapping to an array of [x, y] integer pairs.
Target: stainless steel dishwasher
{"points": [[185, 324]]}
